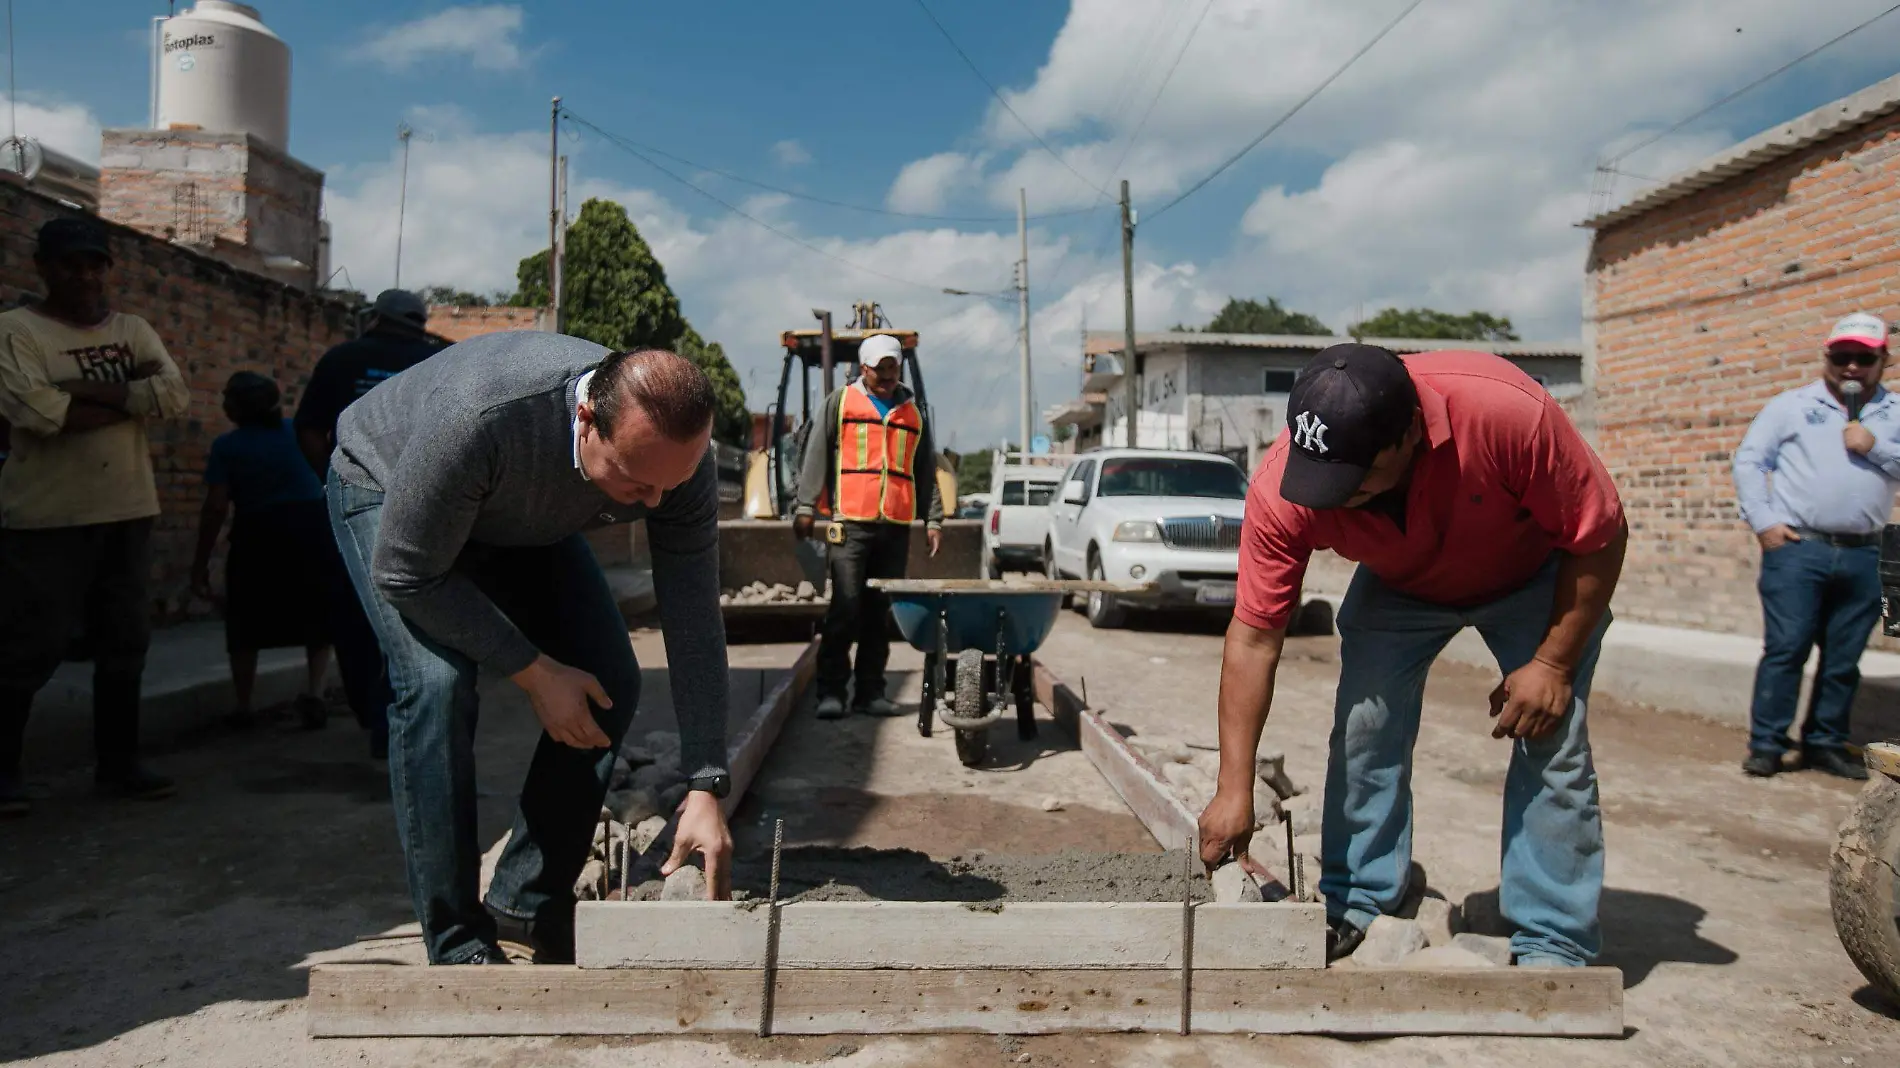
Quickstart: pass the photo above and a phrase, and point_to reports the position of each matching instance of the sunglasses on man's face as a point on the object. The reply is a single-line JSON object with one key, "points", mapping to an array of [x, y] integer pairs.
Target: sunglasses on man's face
{"points": [[1857, 357]]}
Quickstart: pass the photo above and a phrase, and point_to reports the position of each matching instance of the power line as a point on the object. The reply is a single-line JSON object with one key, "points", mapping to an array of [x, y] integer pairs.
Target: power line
{"points": [[755, 220], [1129, 146], [1770, 76], [796, 195], [1295, 109], [998, 94]]}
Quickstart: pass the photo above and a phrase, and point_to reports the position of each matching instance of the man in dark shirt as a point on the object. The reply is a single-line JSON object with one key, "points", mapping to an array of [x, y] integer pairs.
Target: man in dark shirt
{"points": [[395, 340]]}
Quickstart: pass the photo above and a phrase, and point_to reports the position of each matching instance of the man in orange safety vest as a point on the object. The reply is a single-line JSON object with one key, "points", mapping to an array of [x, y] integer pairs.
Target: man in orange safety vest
{"points": [[877, 467]]}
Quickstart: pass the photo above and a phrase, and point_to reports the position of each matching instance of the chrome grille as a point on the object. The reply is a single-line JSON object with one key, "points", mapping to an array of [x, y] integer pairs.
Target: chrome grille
{"points": [[1210, 532]]}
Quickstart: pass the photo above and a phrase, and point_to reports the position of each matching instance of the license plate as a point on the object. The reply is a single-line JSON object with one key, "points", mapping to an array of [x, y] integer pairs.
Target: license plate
{"points": [[1221, 594]]}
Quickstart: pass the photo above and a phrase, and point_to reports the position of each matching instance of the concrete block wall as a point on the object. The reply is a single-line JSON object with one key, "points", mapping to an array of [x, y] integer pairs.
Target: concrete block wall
{"points": [[214, 319], [1702, 310]]}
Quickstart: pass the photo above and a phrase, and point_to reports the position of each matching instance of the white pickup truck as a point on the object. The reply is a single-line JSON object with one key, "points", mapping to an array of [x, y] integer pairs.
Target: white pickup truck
{"points": [[1021, 488], [1149, 515]]}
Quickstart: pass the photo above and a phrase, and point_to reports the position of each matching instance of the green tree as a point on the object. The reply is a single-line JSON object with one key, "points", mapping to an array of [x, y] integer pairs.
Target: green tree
{"points": [[1253, 317], [614, 293], [732, 421], [973, 474], [452, 295], [1430, 324]]}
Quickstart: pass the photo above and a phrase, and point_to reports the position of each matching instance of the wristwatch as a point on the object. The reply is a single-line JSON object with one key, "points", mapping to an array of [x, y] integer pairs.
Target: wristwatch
{"points": [[716, 783]]}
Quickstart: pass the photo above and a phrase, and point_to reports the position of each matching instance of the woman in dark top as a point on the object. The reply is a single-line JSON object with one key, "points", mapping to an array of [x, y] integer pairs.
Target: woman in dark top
{"points": [[281, 553]]}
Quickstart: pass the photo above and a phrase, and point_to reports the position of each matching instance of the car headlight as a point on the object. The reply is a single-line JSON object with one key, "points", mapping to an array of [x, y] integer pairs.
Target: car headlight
{"points": [[1138, 530]]}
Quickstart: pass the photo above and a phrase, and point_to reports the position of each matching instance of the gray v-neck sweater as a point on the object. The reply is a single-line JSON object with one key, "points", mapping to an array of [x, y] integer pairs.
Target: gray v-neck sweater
{"points": [[473, 448]]}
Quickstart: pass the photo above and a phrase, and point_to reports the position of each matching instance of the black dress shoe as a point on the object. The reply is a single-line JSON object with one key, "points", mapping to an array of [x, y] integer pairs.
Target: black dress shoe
{"points": [[1834, 762], [137, 782], [1762, 765], [1341, 939], [488, 954]]}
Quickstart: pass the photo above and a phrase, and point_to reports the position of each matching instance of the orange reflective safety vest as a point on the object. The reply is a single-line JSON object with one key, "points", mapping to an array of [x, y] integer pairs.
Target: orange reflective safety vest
{"points": [[875, 459]]}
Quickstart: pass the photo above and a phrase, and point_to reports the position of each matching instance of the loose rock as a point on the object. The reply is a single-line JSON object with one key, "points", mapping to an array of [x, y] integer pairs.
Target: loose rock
{"points": [[1231, 883], [1437, 917], [1266, 808], [1493, 948], [1052, 804], [686, 884], [1388, 941], [805, 591], [1271, 768], [632, 806], [587, 887], [648, 831], [636, 755]]}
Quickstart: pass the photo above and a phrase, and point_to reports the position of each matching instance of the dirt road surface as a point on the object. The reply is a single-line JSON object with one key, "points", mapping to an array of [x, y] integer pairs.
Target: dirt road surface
{"points": [[179, 933]]}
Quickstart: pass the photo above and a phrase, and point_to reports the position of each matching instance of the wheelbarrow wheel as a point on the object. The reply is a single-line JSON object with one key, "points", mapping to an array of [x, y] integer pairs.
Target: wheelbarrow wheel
{"points": [[927, 708], [1862, 884], [1025, 684], [972, 746]]}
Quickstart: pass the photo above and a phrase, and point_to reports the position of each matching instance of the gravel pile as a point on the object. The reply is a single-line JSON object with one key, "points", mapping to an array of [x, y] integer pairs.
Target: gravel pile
{"points": [[777, 593]]}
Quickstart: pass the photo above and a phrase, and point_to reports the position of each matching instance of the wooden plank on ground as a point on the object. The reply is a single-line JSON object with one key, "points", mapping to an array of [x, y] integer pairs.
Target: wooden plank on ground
{"points": [[751, 742], [945, 935], [1578, 1002], [393, 1000], [1138, 782]]}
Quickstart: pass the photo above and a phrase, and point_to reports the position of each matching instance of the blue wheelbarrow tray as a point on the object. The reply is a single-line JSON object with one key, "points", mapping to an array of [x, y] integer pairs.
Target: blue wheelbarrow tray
{"points": [[975, 609]]}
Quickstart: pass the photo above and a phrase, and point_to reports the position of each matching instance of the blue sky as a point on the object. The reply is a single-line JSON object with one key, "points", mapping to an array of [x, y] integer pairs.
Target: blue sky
{"points": [[1445, 169]]}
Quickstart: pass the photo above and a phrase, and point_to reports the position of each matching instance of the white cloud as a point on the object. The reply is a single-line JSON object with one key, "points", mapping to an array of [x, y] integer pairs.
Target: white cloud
{"points": [[925, 185], [69, 128], [485, 35], [790, 153]]}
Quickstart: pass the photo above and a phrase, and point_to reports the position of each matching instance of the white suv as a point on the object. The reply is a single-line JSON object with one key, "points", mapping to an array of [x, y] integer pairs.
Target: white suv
{"points": [[1147, 515]]}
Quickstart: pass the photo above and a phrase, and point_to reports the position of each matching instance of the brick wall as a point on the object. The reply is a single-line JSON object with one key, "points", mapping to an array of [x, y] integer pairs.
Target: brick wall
{"points": [[459, 322], [214, 319], [1701, 311]]}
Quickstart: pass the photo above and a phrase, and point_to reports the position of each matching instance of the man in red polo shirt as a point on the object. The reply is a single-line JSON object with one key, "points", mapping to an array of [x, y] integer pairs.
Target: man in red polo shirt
{"points": [[1468, 499]]}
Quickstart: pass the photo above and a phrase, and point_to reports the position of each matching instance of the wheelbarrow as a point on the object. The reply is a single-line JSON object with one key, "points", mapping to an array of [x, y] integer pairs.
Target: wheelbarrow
{"points": [[988, 628]]}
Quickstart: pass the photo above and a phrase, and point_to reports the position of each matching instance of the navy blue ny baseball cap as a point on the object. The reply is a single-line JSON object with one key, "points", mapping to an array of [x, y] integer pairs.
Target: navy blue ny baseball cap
{"points": [[1348, 404]]}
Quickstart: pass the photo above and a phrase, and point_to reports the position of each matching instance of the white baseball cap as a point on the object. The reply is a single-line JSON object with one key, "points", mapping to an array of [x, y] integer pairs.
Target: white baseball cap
{"points": [[1860, 327], [877, 348]]}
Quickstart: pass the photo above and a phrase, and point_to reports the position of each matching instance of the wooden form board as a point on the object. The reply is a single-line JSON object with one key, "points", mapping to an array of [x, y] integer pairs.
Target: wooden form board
{"points": [[746, 752], [947, 935], [371, 1000], [1138, 782]]}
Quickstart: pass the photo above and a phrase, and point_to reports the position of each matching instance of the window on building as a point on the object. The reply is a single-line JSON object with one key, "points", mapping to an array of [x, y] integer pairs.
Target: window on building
{"points": [[1276, 381]]}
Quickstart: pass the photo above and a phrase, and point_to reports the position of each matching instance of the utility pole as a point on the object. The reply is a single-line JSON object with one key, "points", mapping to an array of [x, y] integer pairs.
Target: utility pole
{"points": [[554, 203], [559, 252], [403, 134], [1022, 293], [1131, 393]]}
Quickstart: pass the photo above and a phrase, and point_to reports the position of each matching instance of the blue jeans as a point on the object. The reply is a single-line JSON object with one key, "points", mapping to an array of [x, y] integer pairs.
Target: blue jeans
{"points": [[1553, 829], [559, 598], [1810, 591]]}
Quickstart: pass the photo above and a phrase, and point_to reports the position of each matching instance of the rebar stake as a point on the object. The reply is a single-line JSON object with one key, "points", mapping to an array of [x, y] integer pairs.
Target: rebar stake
{"points": [[770, 977], [1187, 933]]}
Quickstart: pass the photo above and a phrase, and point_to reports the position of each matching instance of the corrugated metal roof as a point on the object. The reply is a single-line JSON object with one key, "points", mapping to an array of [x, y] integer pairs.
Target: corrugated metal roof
{"points": [[1878, 99], [1104, 341]]}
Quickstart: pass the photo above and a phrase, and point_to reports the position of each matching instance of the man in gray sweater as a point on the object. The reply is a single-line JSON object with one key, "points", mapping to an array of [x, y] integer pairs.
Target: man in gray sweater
{"points": [[459, 491]]}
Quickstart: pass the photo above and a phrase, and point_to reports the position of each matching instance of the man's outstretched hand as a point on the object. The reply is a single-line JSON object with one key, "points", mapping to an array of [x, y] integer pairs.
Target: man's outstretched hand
{"points": [[934, 538], [702, 830], [801, 526], [560, 694], [1531, 701], [1226, 827]]}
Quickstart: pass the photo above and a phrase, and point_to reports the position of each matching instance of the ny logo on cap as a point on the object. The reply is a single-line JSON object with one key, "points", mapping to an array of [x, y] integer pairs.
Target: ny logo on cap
{"points": [[1309, 433]]}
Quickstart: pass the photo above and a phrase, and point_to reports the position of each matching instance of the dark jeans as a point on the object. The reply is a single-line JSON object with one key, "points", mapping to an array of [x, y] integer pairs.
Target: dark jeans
{"points": [[359, 657], [1812, 591], [559, 598], [62, 584], [859, 613]]}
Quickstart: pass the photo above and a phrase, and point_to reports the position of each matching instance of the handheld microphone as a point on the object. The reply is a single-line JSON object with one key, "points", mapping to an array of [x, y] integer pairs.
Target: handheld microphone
{"points": [[1851, 393]]}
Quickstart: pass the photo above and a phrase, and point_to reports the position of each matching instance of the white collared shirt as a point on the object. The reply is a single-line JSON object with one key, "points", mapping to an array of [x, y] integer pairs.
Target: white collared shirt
{"points": [[580, 394]]}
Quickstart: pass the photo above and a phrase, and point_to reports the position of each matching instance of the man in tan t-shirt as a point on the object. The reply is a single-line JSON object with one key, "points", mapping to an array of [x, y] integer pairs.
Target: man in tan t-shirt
{"points": [[78, 381]]}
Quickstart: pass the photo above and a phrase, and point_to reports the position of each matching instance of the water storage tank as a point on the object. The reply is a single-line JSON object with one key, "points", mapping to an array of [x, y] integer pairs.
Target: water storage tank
{"points": [[221, 70]]}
